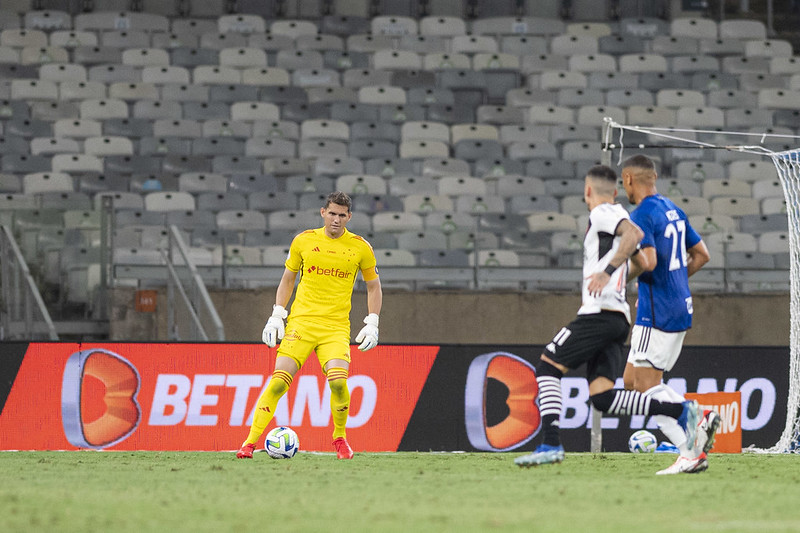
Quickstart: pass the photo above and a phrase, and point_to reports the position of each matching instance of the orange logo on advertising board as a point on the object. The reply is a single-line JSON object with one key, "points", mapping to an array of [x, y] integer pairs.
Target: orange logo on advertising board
{"points": [[98, 399], [522, 422], [729, 406]]}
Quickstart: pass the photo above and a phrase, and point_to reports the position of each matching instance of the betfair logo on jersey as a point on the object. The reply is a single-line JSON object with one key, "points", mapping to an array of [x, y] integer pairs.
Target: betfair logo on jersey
{"points": [[332, 272]]}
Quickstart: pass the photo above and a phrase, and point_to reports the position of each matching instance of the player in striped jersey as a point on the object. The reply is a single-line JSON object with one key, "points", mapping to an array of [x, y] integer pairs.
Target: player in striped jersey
{"points": [[328, 260], [596, 337], [674, 251]]}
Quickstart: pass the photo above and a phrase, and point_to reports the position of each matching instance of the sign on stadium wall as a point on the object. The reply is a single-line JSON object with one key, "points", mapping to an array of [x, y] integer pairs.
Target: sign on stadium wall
{"points": [[126, 396]]}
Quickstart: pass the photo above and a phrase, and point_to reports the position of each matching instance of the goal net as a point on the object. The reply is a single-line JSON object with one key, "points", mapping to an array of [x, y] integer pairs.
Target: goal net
{"points": [[618, 137]]}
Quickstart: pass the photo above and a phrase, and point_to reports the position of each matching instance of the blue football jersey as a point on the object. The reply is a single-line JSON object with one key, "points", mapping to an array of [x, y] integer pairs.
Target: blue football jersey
{"points": [[665, 302]]}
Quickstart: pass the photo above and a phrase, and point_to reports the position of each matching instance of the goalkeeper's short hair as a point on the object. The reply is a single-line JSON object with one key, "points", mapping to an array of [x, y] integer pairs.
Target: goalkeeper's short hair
{"points": [[339, 198]]}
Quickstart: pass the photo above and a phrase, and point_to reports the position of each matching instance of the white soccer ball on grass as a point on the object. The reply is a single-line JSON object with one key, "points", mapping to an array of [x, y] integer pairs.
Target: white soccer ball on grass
{"points": [[642, 441], [282, 443]]}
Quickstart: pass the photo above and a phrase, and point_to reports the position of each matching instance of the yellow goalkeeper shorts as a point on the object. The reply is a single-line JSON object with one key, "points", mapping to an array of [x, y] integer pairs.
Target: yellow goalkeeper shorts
{"points": [[301, 338]]}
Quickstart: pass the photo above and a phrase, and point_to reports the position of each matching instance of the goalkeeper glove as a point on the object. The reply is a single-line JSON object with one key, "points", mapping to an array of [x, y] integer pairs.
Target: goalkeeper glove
{"points": [[274, 329], [368, 336]]}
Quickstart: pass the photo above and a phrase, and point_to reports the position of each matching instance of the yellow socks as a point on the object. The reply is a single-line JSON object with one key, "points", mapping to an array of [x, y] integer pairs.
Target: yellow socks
{"points": [[340, 400], [277, 387], [265, 408]]}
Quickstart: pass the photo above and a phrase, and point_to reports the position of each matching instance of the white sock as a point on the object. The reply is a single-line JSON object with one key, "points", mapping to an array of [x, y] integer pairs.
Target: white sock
{"points": [[668, 425]]}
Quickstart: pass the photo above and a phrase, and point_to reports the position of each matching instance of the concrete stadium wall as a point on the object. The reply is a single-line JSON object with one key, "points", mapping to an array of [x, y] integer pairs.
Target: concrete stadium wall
{"points": [[469, 317]]}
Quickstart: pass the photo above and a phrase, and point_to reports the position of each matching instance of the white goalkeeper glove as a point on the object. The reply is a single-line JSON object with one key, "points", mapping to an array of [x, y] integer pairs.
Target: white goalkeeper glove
{"points": [[274, 329], [368, 336]]}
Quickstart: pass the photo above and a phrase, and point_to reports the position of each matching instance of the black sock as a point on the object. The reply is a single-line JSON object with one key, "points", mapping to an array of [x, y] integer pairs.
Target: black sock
{"points": [[630, 402]]}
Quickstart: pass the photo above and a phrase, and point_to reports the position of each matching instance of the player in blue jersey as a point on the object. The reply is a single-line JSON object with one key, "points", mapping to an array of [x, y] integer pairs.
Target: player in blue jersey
{"points": [[674, 251]]}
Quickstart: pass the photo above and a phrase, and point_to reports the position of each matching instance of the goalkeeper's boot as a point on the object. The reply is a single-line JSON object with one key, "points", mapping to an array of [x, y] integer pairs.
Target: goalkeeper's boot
{"points": [[688, 421], [544, 454], [246, 451], [706, 430], [685, 465], [343, 450]]}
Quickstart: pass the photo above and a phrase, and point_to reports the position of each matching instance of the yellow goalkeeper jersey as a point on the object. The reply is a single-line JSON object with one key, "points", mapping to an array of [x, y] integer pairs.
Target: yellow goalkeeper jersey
{"points": [[328, 269]]}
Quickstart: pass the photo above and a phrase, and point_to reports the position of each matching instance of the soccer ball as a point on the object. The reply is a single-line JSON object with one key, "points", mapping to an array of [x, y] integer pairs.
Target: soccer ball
{"points": [[282, 443], [642, 441]]}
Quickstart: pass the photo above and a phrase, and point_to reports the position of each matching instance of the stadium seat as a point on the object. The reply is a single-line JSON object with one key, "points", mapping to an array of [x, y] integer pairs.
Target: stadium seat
{"points": [[378, 131], [103, 109], [510, 186], [720, 47], [443, 258], [550, 114], [480, 204], [382, 95], [526, 151], [169, 201], [361, 184], [640, 63], [697, 27], [405, 185], [217, 41], [356, 78], [646, 26], [445, 26], [736, 207], [422, 45], [571, 44], [241, 220], [617, 45], [396, 222], [742, 29], [419, 149], [651, 115], [44, 182], [396, 60], [293, 28], [74, 163], [751, 171], [502, 223], [713, 188], [443, 166], [119, 199], [425, 203], [81, 90], [271, 200], [551, 221], [773, 242], [416, 241], [749, 260], [495, 258], [336, 166], [742, 64]]}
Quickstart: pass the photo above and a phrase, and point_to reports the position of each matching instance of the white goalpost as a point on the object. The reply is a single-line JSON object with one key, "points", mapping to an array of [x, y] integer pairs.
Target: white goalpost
{"points": [[787, 164]]}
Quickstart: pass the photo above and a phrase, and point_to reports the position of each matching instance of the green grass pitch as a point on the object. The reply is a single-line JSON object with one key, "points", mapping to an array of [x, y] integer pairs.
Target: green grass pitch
{"points": [[461, 492]]}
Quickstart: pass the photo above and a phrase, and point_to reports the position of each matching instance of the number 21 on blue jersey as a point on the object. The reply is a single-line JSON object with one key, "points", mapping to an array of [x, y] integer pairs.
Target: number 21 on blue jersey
{"points": [[676, 233]]}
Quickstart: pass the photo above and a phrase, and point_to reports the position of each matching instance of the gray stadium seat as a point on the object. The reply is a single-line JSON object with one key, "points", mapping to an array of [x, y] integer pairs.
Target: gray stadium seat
{"points": [[164, 145], [216, 201], [758, 224], [443, 258], [271, 201], [248, 183]]}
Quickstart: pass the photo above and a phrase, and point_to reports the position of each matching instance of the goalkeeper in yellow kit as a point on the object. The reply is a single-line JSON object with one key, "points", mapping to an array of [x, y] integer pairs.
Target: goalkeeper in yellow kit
{"points": [[328, 260]]}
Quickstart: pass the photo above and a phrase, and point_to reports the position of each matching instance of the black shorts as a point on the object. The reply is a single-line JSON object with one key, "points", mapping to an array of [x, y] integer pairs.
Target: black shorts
{"points": [[596, 340]]}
